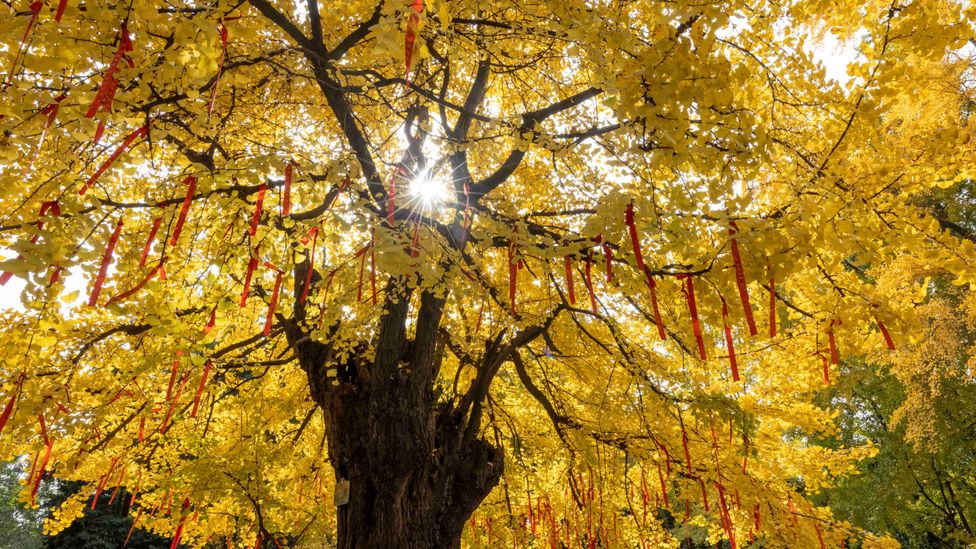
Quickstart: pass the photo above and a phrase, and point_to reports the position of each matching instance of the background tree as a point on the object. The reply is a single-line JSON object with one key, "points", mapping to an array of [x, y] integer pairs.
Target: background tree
{"points": [[352, 251]]}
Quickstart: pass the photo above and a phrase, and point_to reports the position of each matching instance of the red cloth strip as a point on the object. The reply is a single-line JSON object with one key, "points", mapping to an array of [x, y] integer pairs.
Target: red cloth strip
{"points": [[273, 304], [826, 368], [634, 239], [40, 472], [106, 260], [409, 40], [211, 322], [203, 383], [101, 483], [60, 12], [568, 265], [172, 376], [258, 206], [833, 344], [286, 192], [35, 8], [608, 254], [728, 342], [884, 333], [138, 286], [172, 404], [110, 83], [252, 264], [314, 232], [693, 310], [141, 132], [512, 275], [149, 241], [772, 307], [220, 68], [740, 280], [654, 306], [372, 263], [588, 280], [664, 488], [191, 183], [684, 443]]}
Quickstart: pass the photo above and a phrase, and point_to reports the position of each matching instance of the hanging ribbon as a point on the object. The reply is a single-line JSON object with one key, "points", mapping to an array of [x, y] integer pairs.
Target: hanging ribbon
{"points": [[172, 404], [141, 132], [203, 383], [60, 11], [634, 239], [179, 527], [826, 367], [172, 375], [728, 341], [684, 443], [820, 536], [191, 185], [258, 206], [693, 310], [726, 519], [372, 262], [832, 342], [884, 333], [139, 285], [664, 488], [512, 274], [314, 233], [9, 408], [40, 472], [740, 279], [101, 483], [51, 112], [35, 9], [588, 280], [118, 485], [654, 306], [106, 260], [286, 192], [211, 322], [413, 25], [608, 254], [568, 265], [274, 297], [252, 264], [772, 307], [220, 69], [149, 241], [110, 83], [745, 451]]}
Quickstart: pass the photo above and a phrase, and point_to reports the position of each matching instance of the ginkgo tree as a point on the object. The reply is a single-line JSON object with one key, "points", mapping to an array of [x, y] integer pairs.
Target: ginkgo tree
{"points": [[417, 274]]}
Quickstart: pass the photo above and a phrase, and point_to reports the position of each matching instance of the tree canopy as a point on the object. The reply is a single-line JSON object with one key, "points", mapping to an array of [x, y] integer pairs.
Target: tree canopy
{"points": [[385, 273]]}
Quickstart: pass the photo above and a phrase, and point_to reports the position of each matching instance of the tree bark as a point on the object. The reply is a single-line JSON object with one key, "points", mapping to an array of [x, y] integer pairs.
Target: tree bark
{"points": [[414, 478]]}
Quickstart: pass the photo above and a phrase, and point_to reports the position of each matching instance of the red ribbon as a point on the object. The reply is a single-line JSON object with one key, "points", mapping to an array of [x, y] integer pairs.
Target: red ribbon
{"points": [[314, 232], [220, 68], [149, 241], [258, 205], [726, 519], [274, 298], [139, 285], [106, 260], [608, 254], [51, 111], [826, 368], [664, 488], [54, 208], [832, 343], [772, 307], [589, 282], [141, 132], [203, 382], [372, 262], [9, 408], [693, 309], [286, 193], [101, 483], [191, 183], [728, 341], [684, 443], [654, 306], [634, 239], [172, 375], [820, 536], [40, 472], [884, 333], [106, 91], [252, 264], [568, 264], [211, 322], [740, 280], [61, 5], [35, 8], [172, 404], [410, 38]]}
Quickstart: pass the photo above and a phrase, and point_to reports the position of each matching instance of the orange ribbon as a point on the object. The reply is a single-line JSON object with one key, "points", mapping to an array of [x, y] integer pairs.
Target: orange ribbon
{"points": [[106, 260], [191, 183]]}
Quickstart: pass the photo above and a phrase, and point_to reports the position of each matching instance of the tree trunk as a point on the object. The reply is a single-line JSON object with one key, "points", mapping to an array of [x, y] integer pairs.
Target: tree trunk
{"points": [[416, 471]]}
